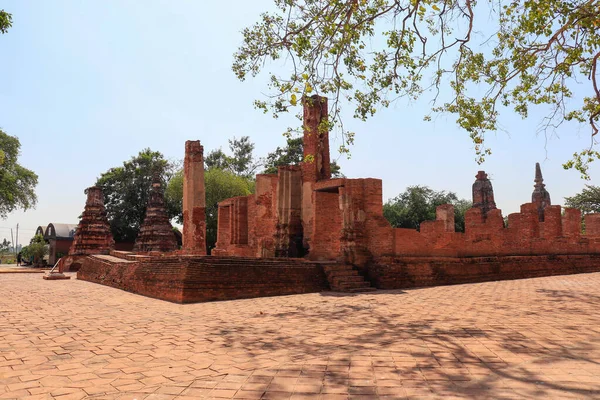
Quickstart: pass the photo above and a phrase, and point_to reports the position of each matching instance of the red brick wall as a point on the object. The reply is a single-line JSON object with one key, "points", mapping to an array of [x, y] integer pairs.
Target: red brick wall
{"points": [[407, 272], [327, 231], [199, 279]]}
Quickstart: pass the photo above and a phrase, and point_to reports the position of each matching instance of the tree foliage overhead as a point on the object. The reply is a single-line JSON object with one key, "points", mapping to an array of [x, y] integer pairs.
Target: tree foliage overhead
{"points": [[17, 184], [478, 58], [126, 190], [588, 201], [5, 21], [291, 154], [418, 203]]}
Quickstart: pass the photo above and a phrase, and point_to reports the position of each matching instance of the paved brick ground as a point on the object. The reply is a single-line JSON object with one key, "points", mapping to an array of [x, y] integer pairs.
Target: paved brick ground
{"points": [[535, 338]]}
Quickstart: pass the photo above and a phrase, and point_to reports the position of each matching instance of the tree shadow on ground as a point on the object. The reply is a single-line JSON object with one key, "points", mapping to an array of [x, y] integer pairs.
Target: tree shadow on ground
{"points": [[451, 355]]}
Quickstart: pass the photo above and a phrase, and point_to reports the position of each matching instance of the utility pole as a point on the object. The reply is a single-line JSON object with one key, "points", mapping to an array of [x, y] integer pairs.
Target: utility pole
{"points": [[17, 242], [12, 241]]}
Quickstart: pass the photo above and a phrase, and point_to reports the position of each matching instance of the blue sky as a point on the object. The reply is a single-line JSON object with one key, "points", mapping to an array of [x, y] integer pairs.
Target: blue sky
{"points": [[86, 85]]}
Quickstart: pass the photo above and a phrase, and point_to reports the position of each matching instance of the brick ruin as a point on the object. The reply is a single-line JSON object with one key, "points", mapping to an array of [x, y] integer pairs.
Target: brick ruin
{"points": [[302, 231], [194, 199], [156, 232], [92, 235]]}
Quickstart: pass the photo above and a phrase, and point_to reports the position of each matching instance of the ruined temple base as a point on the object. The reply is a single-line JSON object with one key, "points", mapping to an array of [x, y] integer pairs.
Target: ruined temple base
{"points": [[193, 279], [55, 276]]}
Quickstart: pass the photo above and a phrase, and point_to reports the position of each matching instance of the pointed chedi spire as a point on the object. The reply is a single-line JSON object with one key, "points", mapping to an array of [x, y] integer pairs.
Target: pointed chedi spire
{"points": [[540, 195]]}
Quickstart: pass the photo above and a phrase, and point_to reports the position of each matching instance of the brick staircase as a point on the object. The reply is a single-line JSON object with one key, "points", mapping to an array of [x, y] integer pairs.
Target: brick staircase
{"points": [[343, 278]]}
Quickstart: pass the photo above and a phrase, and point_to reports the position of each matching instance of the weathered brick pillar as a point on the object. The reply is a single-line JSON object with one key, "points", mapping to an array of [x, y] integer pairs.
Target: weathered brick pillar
{"points": [[194, 200], [288, 239], [552, 222], [592, 224], [316, 165], [571, 222], [445, 213]]}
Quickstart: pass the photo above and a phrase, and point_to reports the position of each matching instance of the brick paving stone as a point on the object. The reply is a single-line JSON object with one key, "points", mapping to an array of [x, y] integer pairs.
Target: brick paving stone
{"points": [[534, 338]]}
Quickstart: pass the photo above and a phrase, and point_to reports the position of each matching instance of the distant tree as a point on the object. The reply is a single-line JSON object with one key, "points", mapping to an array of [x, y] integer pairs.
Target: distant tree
{"points": [[219, 185], [241, 162], [418, 203], [588, 201], [17, 184], [36, 249], [5, 21], [5, 246], [292, 154], [126, 191]]}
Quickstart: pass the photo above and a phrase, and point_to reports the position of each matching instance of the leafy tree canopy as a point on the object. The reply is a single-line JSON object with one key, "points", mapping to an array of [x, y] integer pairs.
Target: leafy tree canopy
{"points": [[5, 21], [588, 201], [418, 203], [486, 56], [5, 246], [36, 249], [17, 184], [219, 185], [291, 154], [126, 191], [241, 162]]}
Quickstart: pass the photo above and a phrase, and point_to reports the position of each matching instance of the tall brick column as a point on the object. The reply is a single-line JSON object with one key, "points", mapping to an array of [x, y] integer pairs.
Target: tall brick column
{"points": [[316, 165], [194, 199]]}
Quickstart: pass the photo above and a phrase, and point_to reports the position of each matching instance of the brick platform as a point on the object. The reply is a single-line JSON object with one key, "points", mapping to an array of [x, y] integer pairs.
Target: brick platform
{"points": [[532, 338], [191, 279]]}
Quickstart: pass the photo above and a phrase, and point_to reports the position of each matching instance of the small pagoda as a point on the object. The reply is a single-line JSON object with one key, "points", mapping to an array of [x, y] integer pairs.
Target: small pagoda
{"points": [[156, 232]]}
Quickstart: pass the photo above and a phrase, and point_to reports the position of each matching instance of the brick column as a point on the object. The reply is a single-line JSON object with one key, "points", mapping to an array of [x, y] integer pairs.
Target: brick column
{"points": [[316, 165], [194, 200]]}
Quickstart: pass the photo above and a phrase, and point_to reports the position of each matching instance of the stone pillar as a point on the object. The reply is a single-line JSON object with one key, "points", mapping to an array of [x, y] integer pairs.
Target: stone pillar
{"points": [[483, 194], [156, 232], [194, 200], [540, 196], [316, 165]]}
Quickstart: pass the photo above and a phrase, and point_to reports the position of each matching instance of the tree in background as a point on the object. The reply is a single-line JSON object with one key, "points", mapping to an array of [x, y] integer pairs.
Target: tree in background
{"points": [[473, 58], [17, 184], [240, 163], [588, 201], [36, 250], [5, 246], [291, 154], [126, 191], [418, 203], [5, 21], [219, 185]]}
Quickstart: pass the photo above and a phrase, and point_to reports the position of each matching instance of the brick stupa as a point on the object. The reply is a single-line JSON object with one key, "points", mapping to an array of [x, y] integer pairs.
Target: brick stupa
{"points": [[156, 233], [540, 195], [93, 234], [483, 194]]}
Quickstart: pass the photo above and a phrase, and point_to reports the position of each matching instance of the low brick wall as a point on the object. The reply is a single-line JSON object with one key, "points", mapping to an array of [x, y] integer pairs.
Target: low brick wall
{"points": [[408, 272], [200, 279]]}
